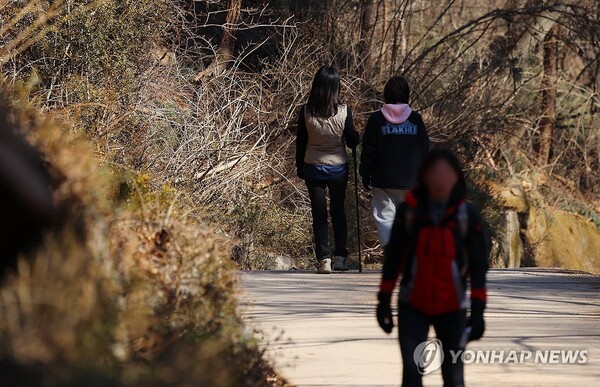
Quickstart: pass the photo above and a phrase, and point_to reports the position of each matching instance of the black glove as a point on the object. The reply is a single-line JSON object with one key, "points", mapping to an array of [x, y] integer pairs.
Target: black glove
{"points": [[476, 321], [366, 182], [384, 312], [300, 173]]}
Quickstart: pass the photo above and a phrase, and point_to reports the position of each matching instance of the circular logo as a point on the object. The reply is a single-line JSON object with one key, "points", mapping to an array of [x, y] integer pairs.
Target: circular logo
{"points": [[428, 356]]}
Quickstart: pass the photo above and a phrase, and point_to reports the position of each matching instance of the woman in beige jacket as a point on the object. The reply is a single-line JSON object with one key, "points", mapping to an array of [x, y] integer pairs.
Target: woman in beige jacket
{"points": [[325, 128]]}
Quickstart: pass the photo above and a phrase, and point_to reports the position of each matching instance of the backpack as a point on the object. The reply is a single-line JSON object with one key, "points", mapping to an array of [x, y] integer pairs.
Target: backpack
{"points": [[463, 225]]}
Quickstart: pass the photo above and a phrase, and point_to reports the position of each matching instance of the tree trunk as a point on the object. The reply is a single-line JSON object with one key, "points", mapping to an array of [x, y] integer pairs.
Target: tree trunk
{"points": [[224, 53], [329, 23], [538, 27], [367, 24], [548, 95]]}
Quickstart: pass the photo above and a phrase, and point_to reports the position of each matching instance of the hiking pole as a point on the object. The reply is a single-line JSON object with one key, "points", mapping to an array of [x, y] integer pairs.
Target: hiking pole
{"points": [[357, 209]]}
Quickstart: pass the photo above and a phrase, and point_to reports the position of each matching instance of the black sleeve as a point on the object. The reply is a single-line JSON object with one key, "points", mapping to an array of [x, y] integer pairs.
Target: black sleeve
{"points": [[301, 140], [394, 257], [369, 149], [478, 255], [423, 137], [351, 136]]}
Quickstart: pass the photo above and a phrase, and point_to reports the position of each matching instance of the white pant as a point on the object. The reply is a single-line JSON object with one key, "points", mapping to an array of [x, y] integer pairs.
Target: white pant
{"points": [[385, 202]]}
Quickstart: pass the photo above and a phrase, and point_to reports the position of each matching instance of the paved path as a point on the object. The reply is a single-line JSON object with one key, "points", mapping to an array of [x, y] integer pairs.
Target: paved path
{"points": [[320, 330]]}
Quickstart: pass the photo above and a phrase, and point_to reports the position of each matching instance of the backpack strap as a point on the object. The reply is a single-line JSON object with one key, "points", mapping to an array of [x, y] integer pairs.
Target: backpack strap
{"points": [[409, 220], [411, 210], [463, 219], [463, 225]]}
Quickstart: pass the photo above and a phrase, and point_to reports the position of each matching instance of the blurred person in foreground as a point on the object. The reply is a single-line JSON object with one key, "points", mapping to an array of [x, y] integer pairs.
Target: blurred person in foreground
{"points": [[394, 145], [438, 243], [26, 206], [325, 129]]}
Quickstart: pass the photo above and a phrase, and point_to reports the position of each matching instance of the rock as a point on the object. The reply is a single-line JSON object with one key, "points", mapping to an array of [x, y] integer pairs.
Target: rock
{"points": [[284, 263], [515, 198], [544, 236], [563, 239], [279, 262]]}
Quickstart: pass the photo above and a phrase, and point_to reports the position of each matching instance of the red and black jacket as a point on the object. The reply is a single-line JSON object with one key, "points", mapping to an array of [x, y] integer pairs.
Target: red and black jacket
{"points": [[436, 259]]}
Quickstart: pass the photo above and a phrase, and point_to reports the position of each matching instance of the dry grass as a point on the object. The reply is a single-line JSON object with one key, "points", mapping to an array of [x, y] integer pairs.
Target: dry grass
{"points": [[123, 293], [155, 283]]}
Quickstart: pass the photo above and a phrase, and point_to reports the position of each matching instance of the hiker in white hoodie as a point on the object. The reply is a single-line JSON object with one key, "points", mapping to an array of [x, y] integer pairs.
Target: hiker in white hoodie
{"points": [[395, 143]]}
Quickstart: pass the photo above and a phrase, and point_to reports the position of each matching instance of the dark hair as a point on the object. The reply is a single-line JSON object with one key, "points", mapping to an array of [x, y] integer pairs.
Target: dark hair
{"points": [[443, 154], [324, 97], [396, 90]]}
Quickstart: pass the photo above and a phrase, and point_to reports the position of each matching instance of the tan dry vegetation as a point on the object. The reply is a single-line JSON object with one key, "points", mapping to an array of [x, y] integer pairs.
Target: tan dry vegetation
{"points": [[121, 293], [180, 103], [178, 118]]}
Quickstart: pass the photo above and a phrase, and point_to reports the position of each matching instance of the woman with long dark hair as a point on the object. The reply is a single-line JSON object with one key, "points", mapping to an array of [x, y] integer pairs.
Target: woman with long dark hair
{"points": [[325, 128], [437, 241]]}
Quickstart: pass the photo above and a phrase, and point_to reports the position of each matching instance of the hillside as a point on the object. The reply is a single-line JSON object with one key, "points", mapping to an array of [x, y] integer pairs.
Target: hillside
{"points": [[163, 132]]}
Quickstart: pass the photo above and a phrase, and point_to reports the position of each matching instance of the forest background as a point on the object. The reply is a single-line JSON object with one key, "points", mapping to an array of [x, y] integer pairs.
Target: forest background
{"points": [[168, 127]]}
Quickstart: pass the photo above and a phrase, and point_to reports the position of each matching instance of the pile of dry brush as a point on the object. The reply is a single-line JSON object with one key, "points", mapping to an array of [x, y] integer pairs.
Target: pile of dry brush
{"points": [[201, 96], [129, 287], [124, 289]]}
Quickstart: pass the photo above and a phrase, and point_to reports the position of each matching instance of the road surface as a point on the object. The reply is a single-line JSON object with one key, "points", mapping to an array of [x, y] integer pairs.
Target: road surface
{"points": [[320, 330]]}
